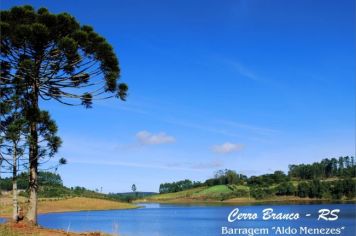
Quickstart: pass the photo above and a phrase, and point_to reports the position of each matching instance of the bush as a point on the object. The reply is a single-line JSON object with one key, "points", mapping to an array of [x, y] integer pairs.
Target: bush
{"points": [[285, 189], [261, 193], [303, 189]]}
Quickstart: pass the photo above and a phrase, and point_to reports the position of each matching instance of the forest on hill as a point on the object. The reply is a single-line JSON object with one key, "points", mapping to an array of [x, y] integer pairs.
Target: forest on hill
{"points": [[328, 179], [51, 186]]}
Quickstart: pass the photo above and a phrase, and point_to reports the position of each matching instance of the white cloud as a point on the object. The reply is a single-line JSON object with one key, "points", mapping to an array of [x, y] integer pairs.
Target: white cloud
{"points": [[146, 137], [208, 165], [212, 164], [252, 128], [245, 72], [227, 147]]}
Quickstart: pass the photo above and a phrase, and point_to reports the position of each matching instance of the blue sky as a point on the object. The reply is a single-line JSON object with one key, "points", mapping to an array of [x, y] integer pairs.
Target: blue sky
{"points": [[246, 85]]}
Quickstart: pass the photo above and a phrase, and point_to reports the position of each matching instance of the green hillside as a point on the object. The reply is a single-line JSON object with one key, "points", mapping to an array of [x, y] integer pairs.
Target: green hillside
{"points": [[299, 191], [181, 194], [217, 193], [329, 179]]}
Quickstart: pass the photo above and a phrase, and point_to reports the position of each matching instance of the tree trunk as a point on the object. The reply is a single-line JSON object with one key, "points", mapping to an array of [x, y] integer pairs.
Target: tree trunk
{"points": [[0, 172], [33, 156], [33, 186], [14, 186]]}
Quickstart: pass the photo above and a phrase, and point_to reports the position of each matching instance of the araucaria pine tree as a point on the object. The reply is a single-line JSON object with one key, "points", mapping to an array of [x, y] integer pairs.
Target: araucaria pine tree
{"points": [[13, 142], [51, 56], [14, 130], [15, 139]]}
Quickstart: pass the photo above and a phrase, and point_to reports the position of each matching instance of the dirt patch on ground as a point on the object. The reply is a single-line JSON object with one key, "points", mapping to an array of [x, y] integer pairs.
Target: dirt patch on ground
{"points": [[26, 229]]}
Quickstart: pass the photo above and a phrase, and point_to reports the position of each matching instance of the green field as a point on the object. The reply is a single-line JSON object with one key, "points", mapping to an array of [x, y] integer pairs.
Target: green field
{"points": [[218, 192]]}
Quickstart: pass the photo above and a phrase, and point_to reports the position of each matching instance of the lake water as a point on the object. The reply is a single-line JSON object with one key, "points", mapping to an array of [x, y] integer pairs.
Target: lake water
{"points": [[197, 220]]}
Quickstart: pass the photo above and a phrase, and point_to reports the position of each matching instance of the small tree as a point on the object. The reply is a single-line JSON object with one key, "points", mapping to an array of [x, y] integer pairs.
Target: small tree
{"points": [[14, 131], [133, 188], [231, 176], [51, 56], [13, 138]]}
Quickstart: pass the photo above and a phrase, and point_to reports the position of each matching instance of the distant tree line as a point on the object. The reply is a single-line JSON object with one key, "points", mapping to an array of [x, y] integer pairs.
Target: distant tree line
{"points": [[334, 189], [268, 179], [327, 168], [44, 179], [130, 196], [51, 186], [178, 186], [226, 177], [221, 177]]}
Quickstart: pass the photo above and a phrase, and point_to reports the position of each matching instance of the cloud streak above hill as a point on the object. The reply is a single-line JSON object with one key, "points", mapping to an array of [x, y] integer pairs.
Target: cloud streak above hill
{"points": [[227, 148], [147, 138]]}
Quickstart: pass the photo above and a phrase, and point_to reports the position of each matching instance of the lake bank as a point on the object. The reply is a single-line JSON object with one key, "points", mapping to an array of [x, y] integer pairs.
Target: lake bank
{"points": [[75, 204], [283, 200], [22, 228], [193, 219], [67, 205]]}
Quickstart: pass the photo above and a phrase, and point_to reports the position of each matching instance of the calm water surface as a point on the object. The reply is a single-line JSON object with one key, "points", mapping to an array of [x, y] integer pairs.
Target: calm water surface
{"points": [[193, 220]]}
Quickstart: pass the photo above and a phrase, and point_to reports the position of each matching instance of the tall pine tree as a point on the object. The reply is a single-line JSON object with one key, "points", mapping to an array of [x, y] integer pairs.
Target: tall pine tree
{"points": [[51, 56]]}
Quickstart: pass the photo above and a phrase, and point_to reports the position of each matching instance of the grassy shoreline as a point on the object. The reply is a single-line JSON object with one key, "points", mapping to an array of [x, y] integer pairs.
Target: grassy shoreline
{"points": [[247, 201], [55, 206], [69, 205]]}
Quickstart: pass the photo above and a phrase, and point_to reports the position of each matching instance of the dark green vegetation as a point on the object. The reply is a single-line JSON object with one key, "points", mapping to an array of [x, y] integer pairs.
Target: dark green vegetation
{"points": [[129, 197], [47, 56], [328, 179], [44, 179], [51, 186], [178, 186], [342, 167]]}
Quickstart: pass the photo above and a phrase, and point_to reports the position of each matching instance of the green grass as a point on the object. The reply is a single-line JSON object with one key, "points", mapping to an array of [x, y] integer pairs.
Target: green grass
{"points": [[217, 192], [213, 192], [242, 187], [216, 189], [182, 194]]}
